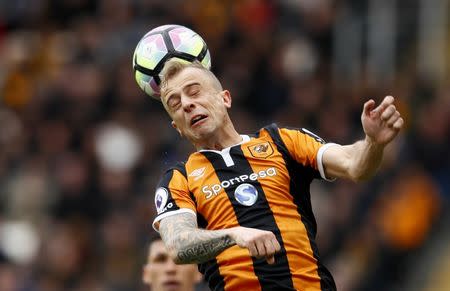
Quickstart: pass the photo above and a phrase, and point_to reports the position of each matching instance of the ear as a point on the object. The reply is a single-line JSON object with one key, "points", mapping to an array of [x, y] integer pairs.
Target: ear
{"points": [[198, 277], [174, 125], [226, 97], [146, 278]]}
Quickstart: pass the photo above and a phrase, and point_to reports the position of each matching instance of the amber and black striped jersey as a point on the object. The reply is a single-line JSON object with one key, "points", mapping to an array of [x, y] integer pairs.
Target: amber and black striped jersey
{"points": [[261, 183]]}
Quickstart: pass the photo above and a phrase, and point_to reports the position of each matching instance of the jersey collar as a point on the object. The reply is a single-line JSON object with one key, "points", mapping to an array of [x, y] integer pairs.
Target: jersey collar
{"points": [[245, 138]]}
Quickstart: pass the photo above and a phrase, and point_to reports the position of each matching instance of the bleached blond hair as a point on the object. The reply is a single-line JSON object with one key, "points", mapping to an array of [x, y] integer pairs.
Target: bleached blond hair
{"points": [[173, 67]]}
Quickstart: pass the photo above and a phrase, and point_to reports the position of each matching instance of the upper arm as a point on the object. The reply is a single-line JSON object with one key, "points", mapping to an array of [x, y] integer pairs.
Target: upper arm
{"points": [[173, 225], [176, 228], [336, 160], [172, 196]]}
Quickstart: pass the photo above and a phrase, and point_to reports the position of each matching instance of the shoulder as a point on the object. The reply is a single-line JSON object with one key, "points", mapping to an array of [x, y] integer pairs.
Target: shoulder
{"points": [[270, 129], [289, 131], [281, 128], [182, 166], [275, 130], [178, 167]]}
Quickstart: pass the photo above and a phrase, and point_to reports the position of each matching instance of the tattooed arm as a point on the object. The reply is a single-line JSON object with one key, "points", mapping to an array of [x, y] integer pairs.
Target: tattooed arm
{"points": [[189, 244]]}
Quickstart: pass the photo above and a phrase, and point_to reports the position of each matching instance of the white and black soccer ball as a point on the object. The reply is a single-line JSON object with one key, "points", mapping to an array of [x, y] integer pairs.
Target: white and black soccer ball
{"points": [[161, 44]]}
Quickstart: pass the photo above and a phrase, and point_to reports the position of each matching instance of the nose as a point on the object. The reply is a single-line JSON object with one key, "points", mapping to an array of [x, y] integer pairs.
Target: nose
{"points": [[187, 103], [170, 266]]}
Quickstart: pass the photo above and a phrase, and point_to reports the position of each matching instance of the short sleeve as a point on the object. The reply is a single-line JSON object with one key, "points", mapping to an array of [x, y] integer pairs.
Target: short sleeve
{"points": [[172, 196], [305, 147]]}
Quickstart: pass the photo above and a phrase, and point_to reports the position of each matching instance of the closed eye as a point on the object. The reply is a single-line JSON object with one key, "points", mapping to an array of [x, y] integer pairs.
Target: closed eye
{"points": [[173, 102], [193, 89]]}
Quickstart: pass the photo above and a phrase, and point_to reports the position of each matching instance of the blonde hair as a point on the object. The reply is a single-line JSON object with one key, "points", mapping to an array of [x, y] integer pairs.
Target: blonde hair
{"points": [[174, 66]]}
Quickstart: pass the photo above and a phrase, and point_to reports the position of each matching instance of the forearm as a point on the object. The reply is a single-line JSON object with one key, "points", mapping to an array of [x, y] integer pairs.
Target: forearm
{"points": [[364, 159], [359, 161], [189, 244]]}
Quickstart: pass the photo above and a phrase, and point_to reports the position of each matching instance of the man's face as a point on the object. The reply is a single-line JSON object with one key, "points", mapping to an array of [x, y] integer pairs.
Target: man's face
{"points": [[162, 274], [196, 104]]}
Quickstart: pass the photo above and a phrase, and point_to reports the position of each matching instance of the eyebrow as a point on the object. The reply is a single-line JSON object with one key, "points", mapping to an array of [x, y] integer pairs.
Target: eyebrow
{"points": [[189, 85], [159, 255]]}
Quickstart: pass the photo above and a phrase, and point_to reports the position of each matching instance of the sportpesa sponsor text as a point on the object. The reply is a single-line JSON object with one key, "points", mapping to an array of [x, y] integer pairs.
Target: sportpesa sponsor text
{"points": [[212, 190]]}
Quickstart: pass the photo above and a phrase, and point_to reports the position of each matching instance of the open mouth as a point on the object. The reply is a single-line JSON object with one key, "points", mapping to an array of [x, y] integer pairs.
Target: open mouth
{"points": [[196, 119], [172, 285]]}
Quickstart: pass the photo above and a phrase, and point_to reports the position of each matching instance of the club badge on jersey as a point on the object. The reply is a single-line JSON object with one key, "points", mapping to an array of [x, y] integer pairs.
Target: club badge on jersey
{"points": [[261, 150]]}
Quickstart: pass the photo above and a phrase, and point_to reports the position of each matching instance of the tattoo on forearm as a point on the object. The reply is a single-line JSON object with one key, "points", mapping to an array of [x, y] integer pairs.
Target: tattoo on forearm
{"points": [[201, 251], [192, 245]]}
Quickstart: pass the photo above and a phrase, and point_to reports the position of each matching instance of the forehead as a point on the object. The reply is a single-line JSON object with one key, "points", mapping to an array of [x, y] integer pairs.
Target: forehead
{"points": [[157, 247], [183, 78]]}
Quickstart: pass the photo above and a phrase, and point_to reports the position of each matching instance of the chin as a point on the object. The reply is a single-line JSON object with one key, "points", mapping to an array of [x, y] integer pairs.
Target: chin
{"points": [[202, 133]]}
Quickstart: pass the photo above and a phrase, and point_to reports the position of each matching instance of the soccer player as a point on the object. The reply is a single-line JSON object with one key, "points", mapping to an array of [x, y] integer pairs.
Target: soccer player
{"points": [[240, 205], [162, 274]]}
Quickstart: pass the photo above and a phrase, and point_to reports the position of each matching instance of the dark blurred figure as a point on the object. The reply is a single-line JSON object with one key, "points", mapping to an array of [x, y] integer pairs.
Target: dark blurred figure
{"points": [[160, 273]]}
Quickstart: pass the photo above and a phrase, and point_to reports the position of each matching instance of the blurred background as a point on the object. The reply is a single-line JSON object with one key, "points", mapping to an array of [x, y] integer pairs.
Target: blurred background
{"points": [[81, 147]]}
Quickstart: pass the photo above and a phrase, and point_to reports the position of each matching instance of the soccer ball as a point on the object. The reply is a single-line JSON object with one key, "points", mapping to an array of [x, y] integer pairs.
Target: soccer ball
{"points": [[161, 44]]}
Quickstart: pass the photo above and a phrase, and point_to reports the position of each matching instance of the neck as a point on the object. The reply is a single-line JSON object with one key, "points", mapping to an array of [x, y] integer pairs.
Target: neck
{"points": [[226, 137]]}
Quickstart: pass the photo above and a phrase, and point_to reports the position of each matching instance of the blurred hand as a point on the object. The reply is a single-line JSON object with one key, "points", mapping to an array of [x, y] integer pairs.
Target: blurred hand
{"points": [[260, 243], [381, 124]]}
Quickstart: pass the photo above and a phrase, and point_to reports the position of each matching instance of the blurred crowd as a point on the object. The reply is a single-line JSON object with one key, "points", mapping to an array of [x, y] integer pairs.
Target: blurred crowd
{"points": [[81, 147]]}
